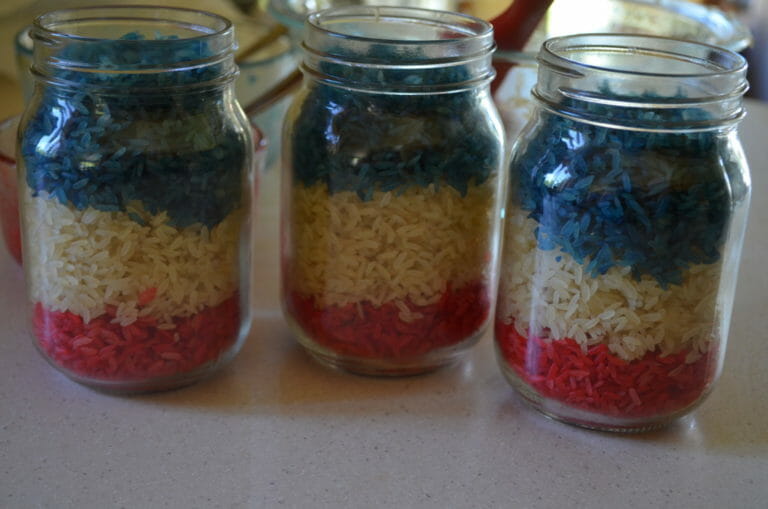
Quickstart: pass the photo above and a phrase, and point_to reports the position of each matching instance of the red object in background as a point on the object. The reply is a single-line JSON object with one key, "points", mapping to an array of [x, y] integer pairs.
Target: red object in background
{"points": [[601, 382], [9, 207], [366, 331], [512, 29], [102, 350]]}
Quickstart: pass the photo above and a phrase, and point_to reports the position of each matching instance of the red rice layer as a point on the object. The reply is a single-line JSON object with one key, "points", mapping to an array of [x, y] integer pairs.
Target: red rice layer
{"points": [[601, 382], [367, 331], [102, 350]]}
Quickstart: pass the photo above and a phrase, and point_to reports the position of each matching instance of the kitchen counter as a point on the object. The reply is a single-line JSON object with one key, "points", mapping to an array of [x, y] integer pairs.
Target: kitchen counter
{"points": [[274, 429]]}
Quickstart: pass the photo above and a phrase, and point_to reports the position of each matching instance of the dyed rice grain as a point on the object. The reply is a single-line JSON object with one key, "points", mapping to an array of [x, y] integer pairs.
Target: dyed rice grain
{"points": [[86, 260], [369, 331], [406, 247], [102, 348], [596, 380], [547, 292]]}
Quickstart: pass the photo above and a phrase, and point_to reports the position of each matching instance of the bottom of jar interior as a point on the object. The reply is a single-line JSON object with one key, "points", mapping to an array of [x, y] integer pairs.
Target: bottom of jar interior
{"points": [[384, 366], [570, 414], [146, 385], [143, 356]]}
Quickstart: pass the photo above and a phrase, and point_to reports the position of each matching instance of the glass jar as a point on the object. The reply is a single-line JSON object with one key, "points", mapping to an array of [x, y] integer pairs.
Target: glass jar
{"points": [[135, 167], [392, 157], [624, 224]]}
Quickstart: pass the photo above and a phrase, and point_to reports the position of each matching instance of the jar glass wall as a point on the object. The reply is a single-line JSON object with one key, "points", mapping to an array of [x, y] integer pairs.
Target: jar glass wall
{"points": [[624, 224], [135, 196], [392, 183]]}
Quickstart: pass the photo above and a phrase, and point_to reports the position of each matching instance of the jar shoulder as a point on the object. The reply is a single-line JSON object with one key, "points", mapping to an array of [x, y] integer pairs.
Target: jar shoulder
{"points": [[106, 153], [559, 153]]}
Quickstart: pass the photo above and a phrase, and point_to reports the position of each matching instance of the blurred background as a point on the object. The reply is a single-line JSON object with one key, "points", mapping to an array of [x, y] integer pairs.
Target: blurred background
{"points": [[269, 30]]}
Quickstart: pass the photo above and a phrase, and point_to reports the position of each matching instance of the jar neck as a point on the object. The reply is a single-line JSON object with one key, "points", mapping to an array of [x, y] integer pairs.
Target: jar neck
{"points": [[149, 49], [641, 82], [398, 50]]}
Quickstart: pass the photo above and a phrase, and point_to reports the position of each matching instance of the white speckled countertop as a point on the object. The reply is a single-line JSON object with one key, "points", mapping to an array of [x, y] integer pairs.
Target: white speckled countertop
{"points": [[276, 430]]}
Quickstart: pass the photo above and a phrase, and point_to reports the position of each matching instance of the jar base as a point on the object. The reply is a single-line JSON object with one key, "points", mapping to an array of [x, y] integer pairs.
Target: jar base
{"points": [[377, 367], [383, 368], [569, 414], [123, 388]]}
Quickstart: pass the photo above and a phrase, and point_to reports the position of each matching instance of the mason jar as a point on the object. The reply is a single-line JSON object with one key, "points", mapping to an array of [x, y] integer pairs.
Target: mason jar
{"points": [[134, 188], [623, 230], [392, 155]]}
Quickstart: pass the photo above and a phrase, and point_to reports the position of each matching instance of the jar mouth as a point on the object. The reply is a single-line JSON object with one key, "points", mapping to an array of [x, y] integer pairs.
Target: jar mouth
{"points": [[691, 59], [372, 34], [153, 48], [402, 49], [199, 24], [641, 82]]}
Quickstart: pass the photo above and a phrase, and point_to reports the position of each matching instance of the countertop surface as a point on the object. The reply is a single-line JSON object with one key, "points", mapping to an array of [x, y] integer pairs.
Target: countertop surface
{"points": [[274, 429]]}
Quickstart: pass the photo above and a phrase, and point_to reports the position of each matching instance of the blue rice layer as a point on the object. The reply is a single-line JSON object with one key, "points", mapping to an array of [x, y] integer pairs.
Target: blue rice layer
{"points": [[171, 152], [656, 202]]}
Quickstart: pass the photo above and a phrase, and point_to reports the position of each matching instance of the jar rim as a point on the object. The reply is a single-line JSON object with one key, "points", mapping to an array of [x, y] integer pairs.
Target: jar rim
{"points": [[319, 21], [44, 22], [641, 82], [142, 47], [552, 52], [463, 27], [398, 49]]}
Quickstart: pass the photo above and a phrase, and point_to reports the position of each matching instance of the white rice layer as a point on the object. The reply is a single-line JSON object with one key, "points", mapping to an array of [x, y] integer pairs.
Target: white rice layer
{"points": [[83, 260], [550, 294], [392, 248]]}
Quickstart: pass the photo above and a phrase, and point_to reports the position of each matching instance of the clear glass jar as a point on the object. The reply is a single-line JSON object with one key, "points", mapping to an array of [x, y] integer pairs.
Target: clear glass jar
{"points": [[624, 224], [134, 176], [392, 156]]}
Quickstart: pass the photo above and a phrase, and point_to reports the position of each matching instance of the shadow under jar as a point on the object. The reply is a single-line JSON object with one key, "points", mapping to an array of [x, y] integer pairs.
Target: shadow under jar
{"points": [[134, 176], [624, 224], [392, 163]]}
